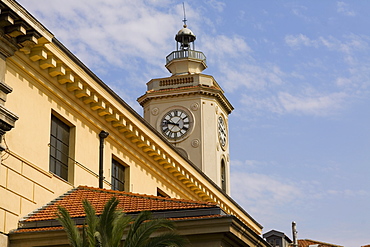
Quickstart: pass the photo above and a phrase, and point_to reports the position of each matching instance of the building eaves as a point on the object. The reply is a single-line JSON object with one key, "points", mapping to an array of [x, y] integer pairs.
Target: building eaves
{"points": [[59, 227]]}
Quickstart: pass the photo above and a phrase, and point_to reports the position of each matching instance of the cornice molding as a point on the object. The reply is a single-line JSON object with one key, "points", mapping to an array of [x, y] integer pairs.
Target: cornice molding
{"points": [[183, 91]]}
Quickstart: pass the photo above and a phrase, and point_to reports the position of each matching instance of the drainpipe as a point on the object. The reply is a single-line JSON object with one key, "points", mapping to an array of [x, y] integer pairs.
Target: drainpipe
{"points": [[294, 232], [102, 135]]}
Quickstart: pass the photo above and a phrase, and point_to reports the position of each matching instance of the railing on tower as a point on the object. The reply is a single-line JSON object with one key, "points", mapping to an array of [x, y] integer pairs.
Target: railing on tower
{"points": [[186, 54]]}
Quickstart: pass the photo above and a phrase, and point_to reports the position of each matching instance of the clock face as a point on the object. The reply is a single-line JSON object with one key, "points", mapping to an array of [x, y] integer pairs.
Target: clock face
{"points": [[222, 133], [175, 124]]}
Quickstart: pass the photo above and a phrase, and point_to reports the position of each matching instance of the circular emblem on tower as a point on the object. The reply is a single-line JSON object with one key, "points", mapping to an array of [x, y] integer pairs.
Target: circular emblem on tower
{"points": [[155, 111], [194, 106], [195, 143]]}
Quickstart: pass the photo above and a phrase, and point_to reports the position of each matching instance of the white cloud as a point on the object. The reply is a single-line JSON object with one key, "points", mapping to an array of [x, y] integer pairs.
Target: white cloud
{"points": [[348, 193], [348, 44], [261, 193], [269, 88], [249, 163], [342, 8], [257, 103], [311, 104], [218, 5], [296, 41], [342, 81], [300, 10], [117, 32], [221, 46], [306, 102], [248, 74]]}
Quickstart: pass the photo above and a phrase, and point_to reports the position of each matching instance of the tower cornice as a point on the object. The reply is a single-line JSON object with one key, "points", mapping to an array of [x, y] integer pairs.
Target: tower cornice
{"points": [[185, 91]]}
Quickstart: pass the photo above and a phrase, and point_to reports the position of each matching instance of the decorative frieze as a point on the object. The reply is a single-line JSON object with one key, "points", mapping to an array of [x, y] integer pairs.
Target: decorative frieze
{"points": [[66, 78], [49, 62], [176, 81]]}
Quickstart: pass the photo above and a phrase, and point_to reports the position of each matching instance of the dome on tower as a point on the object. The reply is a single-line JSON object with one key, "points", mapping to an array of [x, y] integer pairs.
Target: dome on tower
{"points": [[185, 36], [185, 32]]}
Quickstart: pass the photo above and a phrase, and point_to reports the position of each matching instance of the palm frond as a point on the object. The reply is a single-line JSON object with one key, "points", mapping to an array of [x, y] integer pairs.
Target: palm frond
{"points": [[119, 225], [91, 221], [134, 235], [105, 226], [73, 234], [143, 227], [85, 242]]}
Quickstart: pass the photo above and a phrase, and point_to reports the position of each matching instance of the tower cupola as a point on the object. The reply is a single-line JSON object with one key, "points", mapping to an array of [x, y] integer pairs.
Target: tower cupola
{"points": [[185, 37], [185, 60]]}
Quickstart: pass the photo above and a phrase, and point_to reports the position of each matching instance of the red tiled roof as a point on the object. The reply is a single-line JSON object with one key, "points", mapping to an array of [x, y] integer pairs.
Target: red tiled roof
{"points": [[307, 242], [128, 203]]}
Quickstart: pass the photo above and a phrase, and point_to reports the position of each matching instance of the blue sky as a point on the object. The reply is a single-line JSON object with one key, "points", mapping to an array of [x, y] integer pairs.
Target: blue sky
{"points": [[297, 73]]}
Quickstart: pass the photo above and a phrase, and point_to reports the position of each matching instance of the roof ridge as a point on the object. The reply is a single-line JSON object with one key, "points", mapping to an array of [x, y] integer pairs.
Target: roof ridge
{"points": [[59, 198], [138, 195]]}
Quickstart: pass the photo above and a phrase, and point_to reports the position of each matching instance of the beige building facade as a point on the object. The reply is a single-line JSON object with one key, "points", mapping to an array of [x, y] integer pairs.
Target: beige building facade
{"points": [[55, 111]]}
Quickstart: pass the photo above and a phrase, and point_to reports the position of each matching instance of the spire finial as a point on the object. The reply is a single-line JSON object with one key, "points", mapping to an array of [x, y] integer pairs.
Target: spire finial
{"points": [[183, 7]]}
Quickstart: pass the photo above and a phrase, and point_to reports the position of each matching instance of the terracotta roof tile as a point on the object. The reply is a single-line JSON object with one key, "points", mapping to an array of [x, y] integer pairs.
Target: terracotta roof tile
{"points": [[128, 202], [307, 242], [41, 229]]}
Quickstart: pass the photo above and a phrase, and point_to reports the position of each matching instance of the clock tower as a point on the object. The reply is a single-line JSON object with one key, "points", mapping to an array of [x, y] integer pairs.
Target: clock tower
{"points": [[191, 111]]}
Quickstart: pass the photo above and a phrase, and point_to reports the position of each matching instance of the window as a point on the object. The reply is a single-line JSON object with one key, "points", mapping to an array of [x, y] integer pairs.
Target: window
{"points": [[161, 193], [118, 176], [59, 147], [223, 175]]}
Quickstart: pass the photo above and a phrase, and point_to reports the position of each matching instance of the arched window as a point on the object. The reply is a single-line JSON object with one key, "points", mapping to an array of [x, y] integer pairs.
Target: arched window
{"points": [[223, 175]]}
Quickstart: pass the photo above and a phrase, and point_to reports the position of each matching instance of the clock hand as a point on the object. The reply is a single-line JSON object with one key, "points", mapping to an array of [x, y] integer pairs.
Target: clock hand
{"points": [[171, 122]]}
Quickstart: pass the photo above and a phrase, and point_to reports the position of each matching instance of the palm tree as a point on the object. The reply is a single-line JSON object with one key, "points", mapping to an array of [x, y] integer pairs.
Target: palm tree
{"points": [[108, 229]]}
